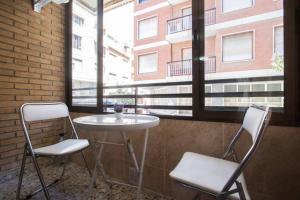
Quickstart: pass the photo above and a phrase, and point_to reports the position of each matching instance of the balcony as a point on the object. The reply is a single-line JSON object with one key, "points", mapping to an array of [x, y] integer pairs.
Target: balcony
{"points": [[184, 67], [180, 29], [210, 17]]}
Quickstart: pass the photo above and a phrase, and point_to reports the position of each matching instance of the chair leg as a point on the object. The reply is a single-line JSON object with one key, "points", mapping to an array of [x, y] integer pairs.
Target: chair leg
{"points": [[21, 172], [86, 165], [40, 176], [240, 190]]}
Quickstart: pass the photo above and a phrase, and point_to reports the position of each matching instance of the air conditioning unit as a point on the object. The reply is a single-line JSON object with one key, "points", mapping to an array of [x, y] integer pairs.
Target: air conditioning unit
{"points": [[39, 4]]}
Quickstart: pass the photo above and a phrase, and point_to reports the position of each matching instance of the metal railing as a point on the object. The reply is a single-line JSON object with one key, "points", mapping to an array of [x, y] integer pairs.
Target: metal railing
{"points": [[179, 24], [210, 64], [184, 23], [210, 16], [184, 67], [180, 68], [136, 94]]}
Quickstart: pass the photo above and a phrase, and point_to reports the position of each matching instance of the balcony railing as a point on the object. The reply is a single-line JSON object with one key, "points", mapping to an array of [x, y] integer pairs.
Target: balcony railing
{"points": [[210, 64], [184, 67], [210, 17], [180, 68], [179, 24], [133, 92], [185, 23]]}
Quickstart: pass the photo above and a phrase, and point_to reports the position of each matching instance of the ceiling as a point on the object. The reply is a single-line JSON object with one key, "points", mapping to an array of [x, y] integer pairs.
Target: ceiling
{"points": [[92, 4]]}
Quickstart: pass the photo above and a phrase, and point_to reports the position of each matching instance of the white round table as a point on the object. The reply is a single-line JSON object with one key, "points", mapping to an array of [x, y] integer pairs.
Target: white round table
{"points": [[128, 122], [111, 123]]}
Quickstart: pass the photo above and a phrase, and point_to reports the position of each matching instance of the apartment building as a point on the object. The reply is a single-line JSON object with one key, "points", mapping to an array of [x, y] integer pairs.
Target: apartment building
{"points": [[243, 39], [116, 54]]}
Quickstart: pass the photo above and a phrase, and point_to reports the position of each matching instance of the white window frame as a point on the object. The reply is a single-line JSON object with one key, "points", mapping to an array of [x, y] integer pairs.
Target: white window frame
{"points": [[183, 8], [138, 63], [237, 33], [185, 48], [81, 18], [73, 41], [138, 27], [222, 7], [274, 27]]}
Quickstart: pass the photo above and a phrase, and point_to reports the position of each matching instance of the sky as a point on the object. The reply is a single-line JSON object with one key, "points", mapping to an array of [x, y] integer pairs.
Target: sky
{"points": [[118, 22]]}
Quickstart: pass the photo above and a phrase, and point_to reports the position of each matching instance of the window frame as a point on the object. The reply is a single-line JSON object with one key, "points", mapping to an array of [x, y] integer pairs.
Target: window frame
{"points": [[143, 19], [81, 20], [291, 114], [238, 33], [274, 38], [138, 63], [78, 42], [182, 52], [236, 10]]}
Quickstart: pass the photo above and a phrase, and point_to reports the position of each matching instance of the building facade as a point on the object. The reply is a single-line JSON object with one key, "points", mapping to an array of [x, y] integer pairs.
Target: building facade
{"points": [[243, 38], [117, 54]]}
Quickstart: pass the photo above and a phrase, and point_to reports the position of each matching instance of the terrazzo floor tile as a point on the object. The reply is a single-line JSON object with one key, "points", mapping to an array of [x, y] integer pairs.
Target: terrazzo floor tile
{"points": [[73, 186]]}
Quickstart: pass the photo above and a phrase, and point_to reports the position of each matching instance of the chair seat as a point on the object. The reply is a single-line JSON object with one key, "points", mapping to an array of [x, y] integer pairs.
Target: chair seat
{"points": [[63, 147], [207, 173]]}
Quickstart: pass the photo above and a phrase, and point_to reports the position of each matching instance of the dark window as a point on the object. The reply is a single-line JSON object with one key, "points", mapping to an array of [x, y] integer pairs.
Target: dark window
{"points": [[142, 1], [78, 20], [77, 42]]}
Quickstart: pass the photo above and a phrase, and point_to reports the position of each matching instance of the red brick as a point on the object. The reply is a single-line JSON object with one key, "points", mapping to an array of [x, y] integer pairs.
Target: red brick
{"points": [[31, 69], [27, 75], [42, 82], [27, 86], [6, 72]]}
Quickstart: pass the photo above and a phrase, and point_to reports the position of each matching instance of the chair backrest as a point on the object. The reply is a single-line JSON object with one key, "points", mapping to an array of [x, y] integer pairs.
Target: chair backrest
{"points": [[31, 112], [255, 122], [43, 111]]}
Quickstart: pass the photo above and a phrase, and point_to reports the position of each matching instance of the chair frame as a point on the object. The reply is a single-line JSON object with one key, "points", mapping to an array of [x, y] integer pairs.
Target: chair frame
{"points": [[29, 151], [226, 192]]}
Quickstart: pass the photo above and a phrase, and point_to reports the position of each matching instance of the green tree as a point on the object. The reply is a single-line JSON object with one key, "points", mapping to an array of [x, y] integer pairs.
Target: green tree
{"points": [[278, 63]]}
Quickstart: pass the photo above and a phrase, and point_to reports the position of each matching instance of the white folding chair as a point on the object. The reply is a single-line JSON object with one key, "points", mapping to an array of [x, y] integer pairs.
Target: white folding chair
{"points": [[220, 178], [31, 112]]}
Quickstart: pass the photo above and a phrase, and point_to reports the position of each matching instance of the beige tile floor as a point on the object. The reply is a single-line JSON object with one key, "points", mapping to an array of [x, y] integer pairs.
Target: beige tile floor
{"points": [[73, 186]]}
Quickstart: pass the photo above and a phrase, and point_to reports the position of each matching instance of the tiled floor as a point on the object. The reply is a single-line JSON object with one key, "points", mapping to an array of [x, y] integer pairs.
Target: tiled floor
{"points": [[73, 186]]}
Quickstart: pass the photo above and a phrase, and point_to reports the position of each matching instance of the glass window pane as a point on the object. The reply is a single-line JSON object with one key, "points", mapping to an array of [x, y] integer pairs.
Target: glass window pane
{"points": [[186, 11], [84, 58], [278, 41], [150, 45], [237, 47], [187, 54], [244, 54], [148, 63], [147, 28]]}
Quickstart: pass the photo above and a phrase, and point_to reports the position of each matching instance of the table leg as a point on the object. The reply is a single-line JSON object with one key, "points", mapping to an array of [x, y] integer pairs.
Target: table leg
{"points": [[130, 150], [140, 182], [98, 163]]}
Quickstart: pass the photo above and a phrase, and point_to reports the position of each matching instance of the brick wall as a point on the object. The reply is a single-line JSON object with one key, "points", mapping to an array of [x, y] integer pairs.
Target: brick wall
{"points": [[31, 69]]}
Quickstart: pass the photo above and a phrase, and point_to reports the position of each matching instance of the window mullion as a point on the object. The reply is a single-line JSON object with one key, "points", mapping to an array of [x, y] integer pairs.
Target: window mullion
{"points": [[198, 51], [100, 66]]}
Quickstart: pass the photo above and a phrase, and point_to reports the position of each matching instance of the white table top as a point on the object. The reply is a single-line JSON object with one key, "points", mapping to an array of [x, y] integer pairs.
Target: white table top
{"points": [[109, 122]]}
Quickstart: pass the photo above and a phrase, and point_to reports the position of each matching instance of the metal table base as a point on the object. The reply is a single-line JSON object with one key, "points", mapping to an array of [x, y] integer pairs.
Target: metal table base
{"points": [[130, 150]]}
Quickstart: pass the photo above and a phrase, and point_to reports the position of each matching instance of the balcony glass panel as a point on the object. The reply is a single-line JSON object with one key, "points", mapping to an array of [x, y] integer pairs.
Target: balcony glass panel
{"points": [[248, 64], [84, 58], [158, 74]]}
